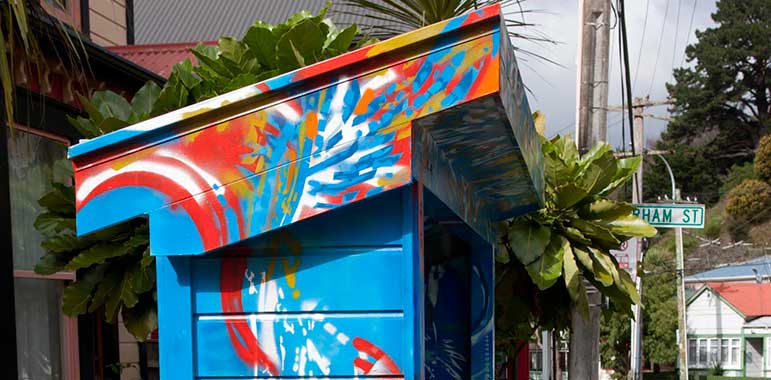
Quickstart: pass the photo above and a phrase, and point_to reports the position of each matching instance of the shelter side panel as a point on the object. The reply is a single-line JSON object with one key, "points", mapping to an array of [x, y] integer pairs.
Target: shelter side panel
{"points": [[292, 304]]}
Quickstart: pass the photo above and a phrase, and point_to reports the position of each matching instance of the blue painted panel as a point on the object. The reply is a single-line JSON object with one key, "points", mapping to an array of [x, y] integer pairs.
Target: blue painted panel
{"points": [[482, 311], [307, 345], [175, 318], [318, 279], [330, 295]]}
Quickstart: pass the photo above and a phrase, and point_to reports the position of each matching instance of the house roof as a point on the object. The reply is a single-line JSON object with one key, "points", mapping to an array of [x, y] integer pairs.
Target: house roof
{"points": [[158, 58], [751, 299], [158, 22], [739, 271]]}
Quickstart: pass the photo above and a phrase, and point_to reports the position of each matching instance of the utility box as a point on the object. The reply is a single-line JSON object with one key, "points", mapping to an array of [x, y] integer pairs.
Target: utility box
{"points": [[337, 221]]}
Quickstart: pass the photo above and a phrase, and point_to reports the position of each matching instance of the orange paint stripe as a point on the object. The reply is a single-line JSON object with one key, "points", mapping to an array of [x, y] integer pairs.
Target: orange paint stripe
{"points": [[363, 104]]}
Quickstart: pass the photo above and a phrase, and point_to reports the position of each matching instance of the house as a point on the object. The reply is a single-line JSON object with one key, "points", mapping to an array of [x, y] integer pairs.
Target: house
{"points": [[38, 340], [729, 324]]}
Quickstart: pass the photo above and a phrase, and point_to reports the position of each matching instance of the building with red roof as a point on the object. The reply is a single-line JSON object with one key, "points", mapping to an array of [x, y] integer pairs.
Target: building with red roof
{"points": [[729, 325]]}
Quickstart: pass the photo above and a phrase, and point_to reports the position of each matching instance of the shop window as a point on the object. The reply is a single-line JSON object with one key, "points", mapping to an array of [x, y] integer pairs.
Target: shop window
{"points": [[46, 339]]}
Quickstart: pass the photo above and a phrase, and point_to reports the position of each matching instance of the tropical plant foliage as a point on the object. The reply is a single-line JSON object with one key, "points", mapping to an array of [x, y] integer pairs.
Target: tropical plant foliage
{"points": [[116, 274], [549, 253]]}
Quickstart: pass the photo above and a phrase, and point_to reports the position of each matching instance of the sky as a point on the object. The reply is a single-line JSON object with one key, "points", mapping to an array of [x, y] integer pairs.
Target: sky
{"points": [[553, 88]]}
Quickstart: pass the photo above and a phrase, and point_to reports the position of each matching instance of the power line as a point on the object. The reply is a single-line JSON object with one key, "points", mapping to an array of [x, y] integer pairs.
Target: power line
{"points": [[690, 29], [658, 49], [642, 40], [677, 29]]}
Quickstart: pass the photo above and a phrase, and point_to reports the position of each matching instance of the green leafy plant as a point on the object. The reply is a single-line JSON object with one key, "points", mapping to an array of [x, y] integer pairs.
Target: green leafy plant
{"points": [[116, 273], [549, 253]]}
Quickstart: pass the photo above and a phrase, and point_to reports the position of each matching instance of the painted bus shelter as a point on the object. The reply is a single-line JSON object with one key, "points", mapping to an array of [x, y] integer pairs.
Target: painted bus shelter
{"points": [[337, 221]]}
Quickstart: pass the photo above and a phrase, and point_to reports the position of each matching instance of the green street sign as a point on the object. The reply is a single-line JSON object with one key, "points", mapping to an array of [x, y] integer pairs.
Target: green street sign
{"points": [[671, 215]]}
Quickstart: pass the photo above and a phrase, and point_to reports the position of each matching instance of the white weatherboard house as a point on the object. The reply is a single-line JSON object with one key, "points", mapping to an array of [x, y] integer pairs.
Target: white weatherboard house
{"points": [[730, 323]]}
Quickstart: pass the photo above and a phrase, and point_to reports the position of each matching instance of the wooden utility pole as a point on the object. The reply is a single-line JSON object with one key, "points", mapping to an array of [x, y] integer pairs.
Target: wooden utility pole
{"points": [[637, 197], [592, 83], [638, 131], [681, 324], [591, 128]]}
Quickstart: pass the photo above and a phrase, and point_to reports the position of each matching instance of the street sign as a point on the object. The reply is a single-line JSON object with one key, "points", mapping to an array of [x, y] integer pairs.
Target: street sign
{"points": [[627, 255], [671, 215]]}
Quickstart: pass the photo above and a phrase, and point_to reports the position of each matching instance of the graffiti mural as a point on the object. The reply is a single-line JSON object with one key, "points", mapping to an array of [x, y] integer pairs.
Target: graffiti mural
{"points": [[258, 277]]}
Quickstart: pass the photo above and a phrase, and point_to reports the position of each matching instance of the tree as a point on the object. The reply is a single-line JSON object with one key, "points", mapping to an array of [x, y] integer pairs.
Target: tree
{"points": [[116, 273], [549, 253], [660, 313], [615, 344], [721, 104]]}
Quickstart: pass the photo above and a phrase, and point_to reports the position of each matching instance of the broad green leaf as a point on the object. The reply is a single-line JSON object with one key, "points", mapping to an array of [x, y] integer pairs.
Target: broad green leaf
{"points": [[231, 49], [61, 243], [122, 294], [111, 104], [598, 173], [147, 259], [301, 44], [110, 124], [624, 171], [50, 224], [140, 320], [77, 295], [302, 16], [528, 240], [91, 109], [184, 71], [241, 80], [142, 277], [51, 263], [546, 270], [629, 225], [574, 283], [583, 257], [203, 54], [262, 43], [61, 200], [568, 195], [343, 40], [628, 286], [556, 172], [575, 235], [96, 254], [566, 149], [143, 100], [106, 287], [605, 209], [596, 153], [601, 235], [85, 126], [63, 170], [601, 267]]}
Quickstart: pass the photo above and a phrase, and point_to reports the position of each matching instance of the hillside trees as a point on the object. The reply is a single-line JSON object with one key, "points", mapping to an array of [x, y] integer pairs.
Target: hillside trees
{"points": [[721, 103]]}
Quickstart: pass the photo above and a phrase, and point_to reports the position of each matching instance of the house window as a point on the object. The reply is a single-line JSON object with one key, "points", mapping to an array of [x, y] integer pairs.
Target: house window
{"points": [[66, 11], [706, 352], [692, 352], [46, 339]]}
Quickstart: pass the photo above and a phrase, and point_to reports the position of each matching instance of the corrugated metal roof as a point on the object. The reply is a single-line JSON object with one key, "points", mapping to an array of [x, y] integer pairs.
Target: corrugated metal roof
{"points": [[751, 299], [170, 21], [158, 58], [744, 270]]}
